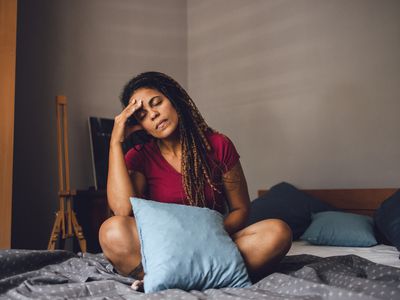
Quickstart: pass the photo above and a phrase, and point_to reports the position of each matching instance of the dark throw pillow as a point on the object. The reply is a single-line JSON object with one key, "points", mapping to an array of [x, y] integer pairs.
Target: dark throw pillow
{"points": [[387, 219], [286, 202]]}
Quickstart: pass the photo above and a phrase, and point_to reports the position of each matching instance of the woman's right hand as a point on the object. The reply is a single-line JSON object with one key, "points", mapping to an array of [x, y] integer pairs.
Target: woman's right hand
{"points": [[121, 130]]}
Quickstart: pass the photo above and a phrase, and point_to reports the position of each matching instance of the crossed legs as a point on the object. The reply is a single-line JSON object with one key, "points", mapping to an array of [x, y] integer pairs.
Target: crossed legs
{"points": [[262, 245], [119, 241]]}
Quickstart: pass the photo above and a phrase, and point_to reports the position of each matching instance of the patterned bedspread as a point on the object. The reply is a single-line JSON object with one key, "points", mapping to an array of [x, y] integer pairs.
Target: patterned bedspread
{"points": [[35, 274]]}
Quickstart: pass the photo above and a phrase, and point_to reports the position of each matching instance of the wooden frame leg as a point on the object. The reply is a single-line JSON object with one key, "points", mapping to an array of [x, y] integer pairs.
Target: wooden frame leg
{"points": [[78, 232], [55, 233]]}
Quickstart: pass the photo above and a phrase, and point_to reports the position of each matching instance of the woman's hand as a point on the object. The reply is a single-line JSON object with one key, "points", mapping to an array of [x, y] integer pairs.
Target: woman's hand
{"points": [[120, 130]]}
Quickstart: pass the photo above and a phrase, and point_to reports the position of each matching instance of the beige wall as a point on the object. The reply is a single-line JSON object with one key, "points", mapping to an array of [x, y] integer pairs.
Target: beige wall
{"points": [[308, 90], [86, 50]]}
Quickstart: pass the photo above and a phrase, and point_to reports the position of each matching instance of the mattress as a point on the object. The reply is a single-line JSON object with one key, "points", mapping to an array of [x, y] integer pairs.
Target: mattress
{"points": [[382, 254]]}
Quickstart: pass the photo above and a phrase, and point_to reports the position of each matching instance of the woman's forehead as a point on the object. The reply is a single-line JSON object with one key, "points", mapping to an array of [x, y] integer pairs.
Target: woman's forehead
{"points": [[145, 94]]}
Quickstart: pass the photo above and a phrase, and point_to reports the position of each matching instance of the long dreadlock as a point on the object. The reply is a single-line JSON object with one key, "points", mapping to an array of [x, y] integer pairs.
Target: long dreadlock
{"points": [[196, 169]]}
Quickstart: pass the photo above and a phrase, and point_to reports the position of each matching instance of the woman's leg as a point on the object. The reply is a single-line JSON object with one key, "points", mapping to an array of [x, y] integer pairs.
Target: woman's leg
{"points": [[263, 245], [119, 241]]}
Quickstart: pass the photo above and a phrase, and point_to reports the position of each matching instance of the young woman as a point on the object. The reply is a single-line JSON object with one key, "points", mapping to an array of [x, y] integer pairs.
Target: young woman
{"points": [[185, 162]]}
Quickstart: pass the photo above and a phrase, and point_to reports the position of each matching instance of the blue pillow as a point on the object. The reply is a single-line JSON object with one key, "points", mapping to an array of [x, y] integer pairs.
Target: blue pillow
{"points": [[333, 228], [286, 202], [387, 219], [186, 247]]}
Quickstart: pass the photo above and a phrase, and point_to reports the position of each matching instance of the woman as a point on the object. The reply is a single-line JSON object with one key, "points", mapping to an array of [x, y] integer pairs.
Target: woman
{"points": [[185, 162]]}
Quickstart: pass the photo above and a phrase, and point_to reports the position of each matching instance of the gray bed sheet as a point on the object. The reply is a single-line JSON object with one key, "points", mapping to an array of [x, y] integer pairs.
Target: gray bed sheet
{"points": [[36, 274]]}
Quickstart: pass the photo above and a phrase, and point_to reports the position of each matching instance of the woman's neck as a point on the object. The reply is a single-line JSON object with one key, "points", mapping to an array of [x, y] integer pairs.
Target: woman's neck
{"points": [[170, 146]]}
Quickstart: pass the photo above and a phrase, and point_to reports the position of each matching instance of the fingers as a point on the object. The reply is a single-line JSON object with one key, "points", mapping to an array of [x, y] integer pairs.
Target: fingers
{"points": [[120, 130], [133, 103], [133, 106]]}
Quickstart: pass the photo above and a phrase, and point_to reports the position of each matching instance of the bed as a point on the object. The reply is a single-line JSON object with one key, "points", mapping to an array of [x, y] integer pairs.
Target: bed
{"points": [[307, 272]]}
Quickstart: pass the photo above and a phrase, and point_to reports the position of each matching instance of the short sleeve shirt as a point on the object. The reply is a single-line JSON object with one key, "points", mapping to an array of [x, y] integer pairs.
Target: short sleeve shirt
{"points": [[164, 183]]}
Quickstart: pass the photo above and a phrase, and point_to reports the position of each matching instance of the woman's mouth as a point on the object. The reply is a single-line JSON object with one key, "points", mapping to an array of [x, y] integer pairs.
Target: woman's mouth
{"points": [[162, 125]]}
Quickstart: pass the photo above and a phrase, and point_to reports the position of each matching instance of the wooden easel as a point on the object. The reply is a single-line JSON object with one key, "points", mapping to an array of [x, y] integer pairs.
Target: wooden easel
{"points": [[64, 217]]}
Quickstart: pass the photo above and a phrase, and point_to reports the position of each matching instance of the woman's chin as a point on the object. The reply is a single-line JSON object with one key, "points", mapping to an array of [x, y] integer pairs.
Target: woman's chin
{"points": [[167, 133]]}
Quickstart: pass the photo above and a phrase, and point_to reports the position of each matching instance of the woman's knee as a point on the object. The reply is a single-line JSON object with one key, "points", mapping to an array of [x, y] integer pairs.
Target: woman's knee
{"points": [[116, 233], [278, 229]]}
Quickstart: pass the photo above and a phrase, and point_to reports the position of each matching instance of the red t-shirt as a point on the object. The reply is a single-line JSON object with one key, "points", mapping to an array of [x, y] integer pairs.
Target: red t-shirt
{"points": [[164, 183]]}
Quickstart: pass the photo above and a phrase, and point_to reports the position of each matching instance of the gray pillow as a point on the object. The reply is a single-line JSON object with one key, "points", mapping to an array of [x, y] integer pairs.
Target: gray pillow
{"points": [[335, 228]]}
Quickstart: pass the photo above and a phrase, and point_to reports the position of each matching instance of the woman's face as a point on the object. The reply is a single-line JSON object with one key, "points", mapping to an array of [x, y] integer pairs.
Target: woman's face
{"points": [[157, 115]]}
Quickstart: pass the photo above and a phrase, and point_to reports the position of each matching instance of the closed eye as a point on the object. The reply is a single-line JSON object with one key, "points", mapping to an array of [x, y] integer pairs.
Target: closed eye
{"points": [[156, 101]]}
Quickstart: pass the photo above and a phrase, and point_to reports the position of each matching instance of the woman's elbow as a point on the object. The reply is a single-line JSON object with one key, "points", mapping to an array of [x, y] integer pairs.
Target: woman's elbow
{"points": [[123, 211]]}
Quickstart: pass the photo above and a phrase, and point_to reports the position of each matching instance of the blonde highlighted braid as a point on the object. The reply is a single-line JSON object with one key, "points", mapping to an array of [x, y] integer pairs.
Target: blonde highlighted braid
{"points": [[196, 169]]}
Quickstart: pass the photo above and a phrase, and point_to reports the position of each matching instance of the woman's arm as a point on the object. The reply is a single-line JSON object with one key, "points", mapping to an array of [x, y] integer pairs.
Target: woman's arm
{"points": [[120, 184], [235, 186]]}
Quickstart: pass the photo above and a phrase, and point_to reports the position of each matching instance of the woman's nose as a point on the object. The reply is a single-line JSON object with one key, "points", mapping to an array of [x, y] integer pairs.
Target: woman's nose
{"points": [[154, 114]]}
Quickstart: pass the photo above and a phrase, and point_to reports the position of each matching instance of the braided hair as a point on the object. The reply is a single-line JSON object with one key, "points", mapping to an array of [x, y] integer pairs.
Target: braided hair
{"points": [[196, 169]]}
